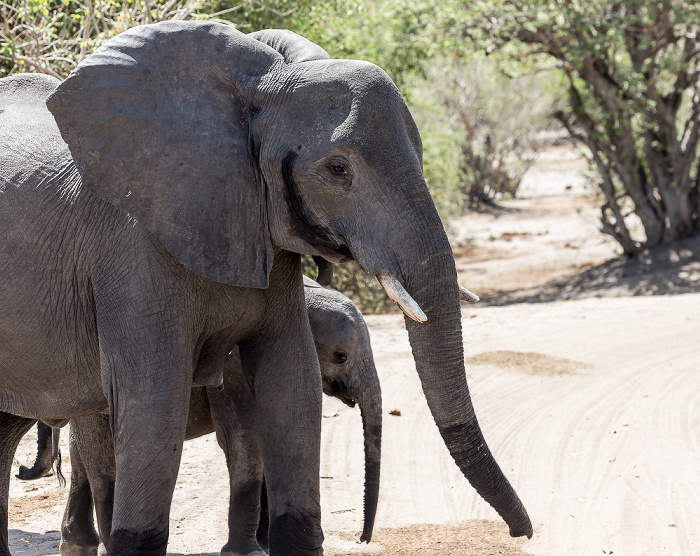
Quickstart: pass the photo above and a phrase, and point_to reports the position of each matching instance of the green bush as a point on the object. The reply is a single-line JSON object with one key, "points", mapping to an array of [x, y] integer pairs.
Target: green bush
{"points": [[631, 74], [441, 152], [350, 280], [499, 121]]}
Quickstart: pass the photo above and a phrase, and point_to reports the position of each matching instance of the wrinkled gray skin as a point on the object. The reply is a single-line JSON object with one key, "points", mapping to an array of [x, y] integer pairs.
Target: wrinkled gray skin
{"points": [[152, 207], [44, 458], [348, 373]]}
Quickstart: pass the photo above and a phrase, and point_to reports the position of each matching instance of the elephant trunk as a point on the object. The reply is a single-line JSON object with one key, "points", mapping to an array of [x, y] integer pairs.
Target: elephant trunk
{"points": [[44, 457], [370, 402], [428, 274]]}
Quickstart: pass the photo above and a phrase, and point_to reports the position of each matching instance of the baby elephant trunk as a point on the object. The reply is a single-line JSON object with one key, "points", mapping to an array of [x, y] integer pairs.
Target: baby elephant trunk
{"points": [[370, 402]]}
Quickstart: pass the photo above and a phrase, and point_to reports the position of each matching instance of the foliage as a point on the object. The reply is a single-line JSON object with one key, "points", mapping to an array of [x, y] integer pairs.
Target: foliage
{"points": [[441, 153], [350, 280], [633, 74], [500, 121], [396, 35], [53, 36]]}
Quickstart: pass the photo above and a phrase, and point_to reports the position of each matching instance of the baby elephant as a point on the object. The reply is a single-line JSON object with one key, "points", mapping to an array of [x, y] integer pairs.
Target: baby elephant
{"points": [[348, 373]]}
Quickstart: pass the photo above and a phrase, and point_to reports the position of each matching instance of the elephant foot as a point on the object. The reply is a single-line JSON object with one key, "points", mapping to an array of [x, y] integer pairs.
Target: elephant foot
{"points": [[68, 548], [251, 548]]}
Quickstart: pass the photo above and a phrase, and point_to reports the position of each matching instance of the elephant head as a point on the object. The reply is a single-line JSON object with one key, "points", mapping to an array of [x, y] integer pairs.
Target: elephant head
{"points": [[226, 151], [348, 373]]}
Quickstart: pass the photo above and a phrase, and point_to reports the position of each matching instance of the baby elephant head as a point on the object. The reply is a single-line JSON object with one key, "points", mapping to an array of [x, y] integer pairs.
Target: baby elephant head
{"points": [[348, 373]]}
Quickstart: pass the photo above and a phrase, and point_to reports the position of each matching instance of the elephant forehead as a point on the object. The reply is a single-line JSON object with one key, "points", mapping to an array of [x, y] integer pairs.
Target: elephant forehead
{"points": [[359, 76], [327, 82], [334, 329], [377, 110], [354, 102]]}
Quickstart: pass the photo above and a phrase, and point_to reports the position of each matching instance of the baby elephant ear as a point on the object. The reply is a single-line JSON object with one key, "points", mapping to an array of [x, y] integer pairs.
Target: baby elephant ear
{"points": [[159, 123], [294, 48]]}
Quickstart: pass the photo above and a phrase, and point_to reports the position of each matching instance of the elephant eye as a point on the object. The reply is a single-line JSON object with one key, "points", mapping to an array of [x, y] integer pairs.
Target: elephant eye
{"points": [[338, 169], [340, 356]]}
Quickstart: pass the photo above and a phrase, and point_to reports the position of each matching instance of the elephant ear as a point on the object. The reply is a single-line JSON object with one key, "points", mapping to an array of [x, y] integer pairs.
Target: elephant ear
{"points": [[159, 122], [309, 283], [294, 48]]}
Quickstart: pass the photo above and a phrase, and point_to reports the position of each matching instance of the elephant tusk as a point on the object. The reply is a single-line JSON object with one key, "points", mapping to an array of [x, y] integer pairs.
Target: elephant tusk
{"points": [[396, 292], [466, 295]]}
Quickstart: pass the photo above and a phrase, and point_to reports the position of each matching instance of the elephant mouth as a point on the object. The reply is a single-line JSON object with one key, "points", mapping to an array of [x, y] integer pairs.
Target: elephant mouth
{"points": [[337, 389]]}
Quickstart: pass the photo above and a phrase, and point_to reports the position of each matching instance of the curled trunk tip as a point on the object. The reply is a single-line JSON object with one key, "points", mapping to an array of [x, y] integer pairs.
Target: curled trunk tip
{"points": [[469, 450]]}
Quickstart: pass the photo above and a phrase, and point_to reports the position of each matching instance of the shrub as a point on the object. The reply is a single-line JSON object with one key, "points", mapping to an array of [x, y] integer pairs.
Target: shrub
{"points": [[350, 280], [500, 121]]}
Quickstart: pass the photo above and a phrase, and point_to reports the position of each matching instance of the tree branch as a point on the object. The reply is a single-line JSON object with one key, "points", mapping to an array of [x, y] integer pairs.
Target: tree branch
{"points": [[42, 68]]}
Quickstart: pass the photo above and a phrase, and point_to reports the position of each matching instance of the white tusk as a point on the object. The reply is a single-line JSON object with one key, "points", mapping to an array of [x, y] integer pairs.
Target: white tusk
{"points": [[466, 295], [396, 291]]}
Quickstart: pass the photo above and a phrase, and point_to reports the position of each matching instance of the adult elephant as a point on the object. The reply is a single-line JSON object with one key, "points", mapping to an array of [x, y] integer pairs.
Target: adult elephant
{"points": [[348, 373], [197, 162]]}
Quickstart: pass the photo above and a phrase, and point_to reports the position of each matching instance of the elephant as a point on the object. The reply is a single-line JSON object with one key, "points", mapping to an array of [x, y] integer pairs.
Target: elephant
{"points": [[154, 205], [348, 373]]}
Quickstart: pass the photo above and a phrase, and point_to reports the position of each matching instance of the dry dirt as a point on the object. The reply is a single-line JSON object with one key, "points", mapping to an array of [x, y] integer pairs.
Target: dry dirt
{"points": [[583, 371]]}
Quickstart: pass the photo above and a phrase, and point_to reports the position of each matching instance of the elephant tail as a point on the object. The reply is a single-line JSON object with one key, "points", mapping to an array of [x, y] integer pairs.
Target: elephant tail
{"points": [[56, 455]]}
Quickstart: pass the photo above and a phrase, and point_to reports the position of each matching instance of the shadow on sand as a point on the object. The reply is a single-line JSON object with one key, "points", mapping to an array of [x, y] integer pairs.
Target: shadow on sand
{"points": [[31, 543], [665, 270]]}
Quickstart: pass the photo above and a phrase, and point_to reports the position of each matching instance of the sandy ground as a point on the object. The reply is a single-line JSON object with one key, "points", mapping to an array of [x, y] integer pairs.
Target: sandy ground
{"points": [[582, 368]]}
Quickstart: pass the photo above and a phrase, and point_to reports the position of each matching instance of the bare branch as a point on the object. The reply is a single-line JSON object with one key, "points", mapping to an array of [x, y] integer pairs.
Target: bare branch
{"points": [[42, 68], [227, 10], [86, 30]]}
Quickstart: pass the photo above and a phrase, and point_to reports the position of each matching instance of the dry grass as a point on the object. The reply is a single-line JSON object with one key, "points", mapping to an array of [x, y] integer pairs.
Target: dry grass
{"points": [[528, 362], [473, 538], [29, 506]]}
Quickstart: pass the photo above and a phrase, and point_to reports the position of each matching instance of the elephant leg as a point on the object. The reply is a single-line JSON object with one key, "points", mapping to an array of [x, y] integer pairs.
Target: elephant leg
{"points": [[148, 416], [232, 409], [263, 533], [290, 459], [147, 463], [42, 465], [290, 444], [12, 429], [92, 480], [148, 336], [284, 373]]}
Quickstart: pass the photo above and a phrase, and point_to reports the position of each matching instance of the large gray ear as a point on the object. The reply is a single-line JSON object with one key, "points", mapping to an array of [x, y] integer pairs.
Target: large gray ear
{"points": [[159, 121], [293, 47]]}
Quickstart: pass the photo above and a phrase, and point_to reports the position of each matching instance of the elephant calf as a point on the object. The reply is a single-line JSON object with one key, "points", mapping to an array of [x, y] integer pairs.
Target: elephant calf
{"points": [[348, 373]]}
